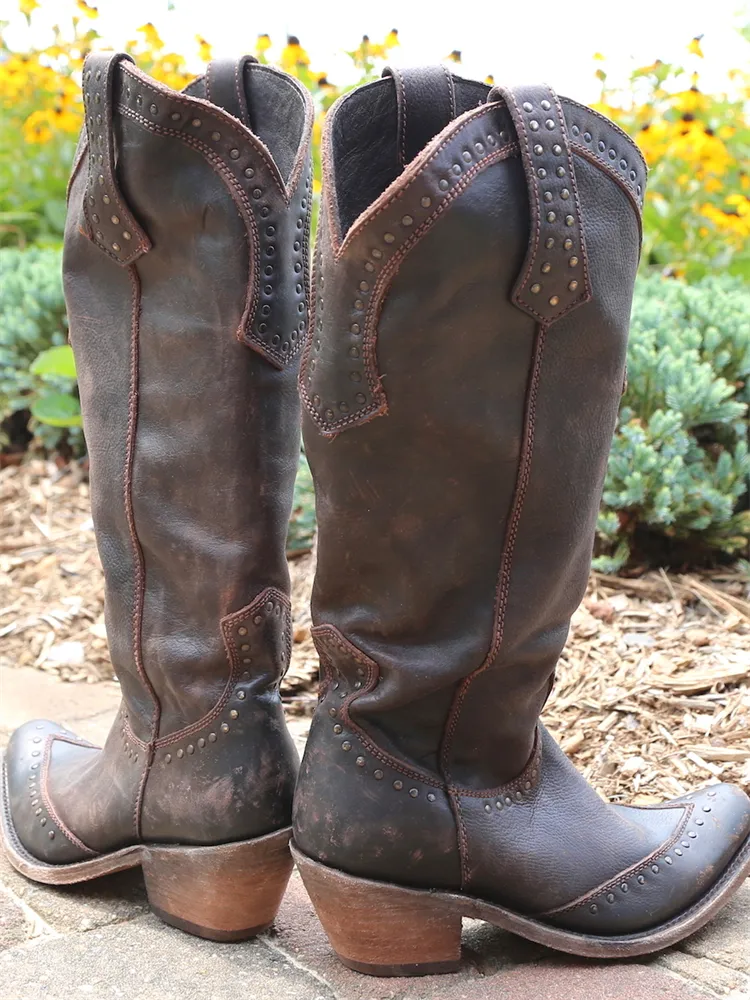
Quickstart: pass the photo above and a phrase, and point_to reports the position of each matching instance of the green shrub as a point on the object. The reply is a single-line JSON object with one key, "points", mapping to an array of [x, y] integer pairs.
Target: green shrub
{"points": [[37, 371], [679, 466]]}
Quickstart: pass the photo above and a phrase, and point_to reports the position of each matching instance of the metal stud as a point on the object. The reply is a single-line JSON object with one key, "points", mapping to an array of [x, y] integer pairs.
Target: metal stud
{"points": [[573, 261], [466, 155], [95, 218], [212, 737], [346, 745], [224, 727], [43, 820], [679, 852], [551, 216], [565, 194], [534, 125], [568, 244], [535, 288], [430, 796], [154, 110], [234, 153], [331, 711], [625, 887], [538, 149], [196, 123], [569, 220], [572, 285], [361, 761], [407, 221], [549, 242], [234, 714], [560, 171], [487, 807], [554, 300], [378, 775], [693, 835], [601, 146], [479, 147], [175, 116], [527, 106], [541, 173], [355, 328], [168, 758], [191, 748], [338, 729], [610, 897], [216, 136], [655, 869], [548, 196], [546, 267], [545, 105], [508, 800], [37, 812], [201, 743], [641, 880], [426, 202], [116, 247], [180, 753], [549, 124], [556, 149], [126, 235], [51, 834], [398, 785], [456, 168], [364, 287], [443, 184], [594, 908], [668, 860]]}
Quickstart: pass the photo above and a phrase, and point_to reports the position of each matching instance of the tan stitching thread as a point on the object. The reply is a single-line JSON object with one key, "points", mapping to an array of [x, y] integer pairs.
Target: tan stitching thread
{"points": [[140, 569], [636, 869], [402, 118], [506, 559], [451, 90], [234, 663], [44, 789], [369, 338]]}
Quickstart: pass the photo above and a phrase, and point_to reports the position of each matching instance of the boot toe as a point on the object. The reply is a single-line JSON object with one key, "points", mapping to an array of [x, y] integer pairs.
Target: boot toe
{"points": [[30, 823], [713, 826]]}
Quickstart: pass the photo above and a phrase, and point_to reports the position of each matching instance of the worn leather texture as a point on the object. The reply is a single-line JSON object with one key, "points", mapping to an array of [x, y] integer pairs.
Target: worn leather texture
{"points": [[460, 386], [187, 357]]}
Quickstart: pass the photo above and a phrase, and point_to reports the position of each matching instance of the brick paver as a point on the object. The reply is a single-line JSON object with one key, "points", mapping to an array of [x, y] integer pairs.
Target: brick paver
{"points": [[99, 941]]}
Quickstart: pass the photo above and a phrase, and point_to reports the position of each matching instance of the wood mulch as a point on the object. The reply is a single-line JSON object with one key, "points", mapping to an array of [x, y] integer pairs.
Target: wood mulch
{"points": [[653, 690]]}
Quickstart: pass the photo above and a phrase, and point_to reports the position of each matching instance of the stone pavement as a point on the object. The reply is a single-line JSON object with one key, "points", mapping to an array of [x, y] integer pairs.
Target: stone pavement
{"points": [[99, 941]]}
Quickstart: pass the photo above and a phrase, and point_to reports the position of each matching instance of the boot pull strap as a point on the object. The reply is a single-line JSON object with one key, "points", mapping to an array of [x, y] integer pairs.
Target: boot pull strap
{"points": [[110, 222], [426, 102], [225, 86], [554, 278]]}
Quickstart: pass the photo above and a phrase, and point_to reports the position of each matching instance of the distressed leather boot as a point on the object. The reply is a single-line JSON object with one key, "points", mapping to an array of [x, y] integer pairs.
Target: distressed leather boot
{"points": [[474, 270], [185, 272]]}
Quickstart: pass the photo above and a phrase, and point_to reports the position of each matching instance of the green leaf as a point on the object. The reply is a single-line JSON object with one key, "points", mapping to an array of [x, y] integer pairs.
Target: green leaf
{"points": [[57, 409], [55, 361]]}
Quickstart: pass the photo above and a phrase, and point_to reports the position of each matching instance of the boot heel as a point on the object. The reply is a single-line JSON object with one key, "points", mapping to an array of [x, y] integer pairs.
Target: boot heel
{"points": [[380, 929], [225, 893]]}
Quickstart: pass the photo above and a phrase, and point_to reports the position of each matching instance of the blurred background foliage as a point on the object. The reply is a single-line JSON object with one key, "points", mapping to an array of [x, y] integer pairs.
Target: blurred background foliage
{"points": [[677, 484]]}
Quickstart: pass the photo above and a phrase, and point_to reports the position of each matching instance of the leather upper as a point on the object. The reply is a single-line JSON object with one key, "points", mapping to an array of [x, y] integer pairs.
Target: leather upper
{"points": [[185, 274], [460, 385]]}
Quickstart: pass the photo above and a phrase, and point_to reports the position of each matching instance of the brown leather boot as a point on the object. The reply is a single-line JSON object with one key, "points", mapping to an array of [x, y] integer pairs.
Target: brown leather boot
{"points": [[475, 266], [185, 277]]}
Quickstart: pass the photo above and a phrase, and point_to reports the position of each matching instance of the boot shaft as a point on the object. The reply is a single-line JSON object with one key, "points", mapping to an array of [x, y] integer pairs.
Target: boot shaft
{"points": [[460, 392], [186, 282]]}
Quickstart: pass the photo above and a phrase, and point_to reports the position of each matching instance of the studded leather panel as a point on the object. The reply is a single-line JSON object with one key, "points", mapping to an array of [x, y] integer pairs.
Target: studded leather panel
{"points": [[110, 222], [554, 278], [339, 380]]}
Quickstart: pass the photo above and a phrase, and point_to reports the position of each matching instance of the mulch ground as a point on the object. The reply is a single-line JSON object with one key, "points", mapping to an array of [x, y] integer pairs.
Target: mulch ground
{"points": [[653, 690]]}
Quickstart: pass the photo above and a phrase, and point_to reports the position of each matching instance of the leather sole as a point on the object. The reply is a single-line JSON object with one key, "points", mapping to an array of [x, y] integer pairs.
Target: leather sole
{"points": [[229, 892], [387, 930]]}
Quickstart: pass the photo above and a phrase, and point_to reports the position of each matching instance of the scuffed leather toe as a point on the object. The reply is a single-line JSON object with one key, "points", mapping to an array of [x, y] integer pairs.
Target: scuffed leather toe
{"points": [[713, 824], [30, 813]]}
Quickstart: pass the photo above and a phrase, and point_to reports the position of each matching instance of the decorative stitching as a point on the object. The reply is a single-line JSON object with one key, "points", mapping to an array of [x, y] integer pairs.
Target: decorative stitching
{"points": [[139, 564], [379, 404], [503, 586], [226, 624], [44, 789]]}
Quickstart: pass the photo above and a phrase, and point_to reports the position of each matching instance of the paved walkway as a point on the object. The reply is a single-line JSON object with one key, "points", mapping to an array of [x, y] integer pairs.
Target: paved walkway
{"points": [[99, 941]]}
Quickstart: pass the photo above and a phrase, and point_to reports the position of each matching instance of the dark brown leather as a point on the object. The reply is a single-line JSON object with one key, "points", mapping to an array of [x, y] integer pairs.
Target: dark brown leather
{"points": [[461, 385], [187, 334]]}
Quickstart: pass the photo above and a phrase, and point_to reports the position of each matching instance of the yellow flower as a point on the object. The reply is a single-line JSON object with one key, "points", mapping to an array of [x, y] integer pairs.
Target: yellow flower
{"points": [[204, 49], [694, 48], [293, 56], [27, 7], [37, 127], [151, 36], [391, 39], [263, 44], [89, 11], [454, 56], [489, 79]]}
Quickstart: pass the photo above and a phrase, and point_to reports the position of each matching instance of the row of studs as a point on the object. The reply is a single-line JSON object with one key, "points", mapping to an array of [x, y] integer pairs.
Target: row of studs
{"points": [[268, 253], [667, 859], [272, 608], [600, 147], [379, 259], [34, 793]]}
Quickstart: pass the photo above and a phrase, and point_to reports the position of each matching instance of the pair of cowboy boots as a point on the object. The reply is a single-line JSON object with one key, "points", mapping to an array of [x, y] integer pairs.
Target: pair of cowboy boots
{"points": [[462, 359]]}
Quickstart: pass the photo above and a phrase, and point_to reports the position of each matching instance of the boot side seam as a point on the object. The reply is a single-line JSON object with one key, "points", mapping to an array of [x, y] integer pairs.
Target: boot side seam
{"points": [[503, 583], [46, 797]]}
